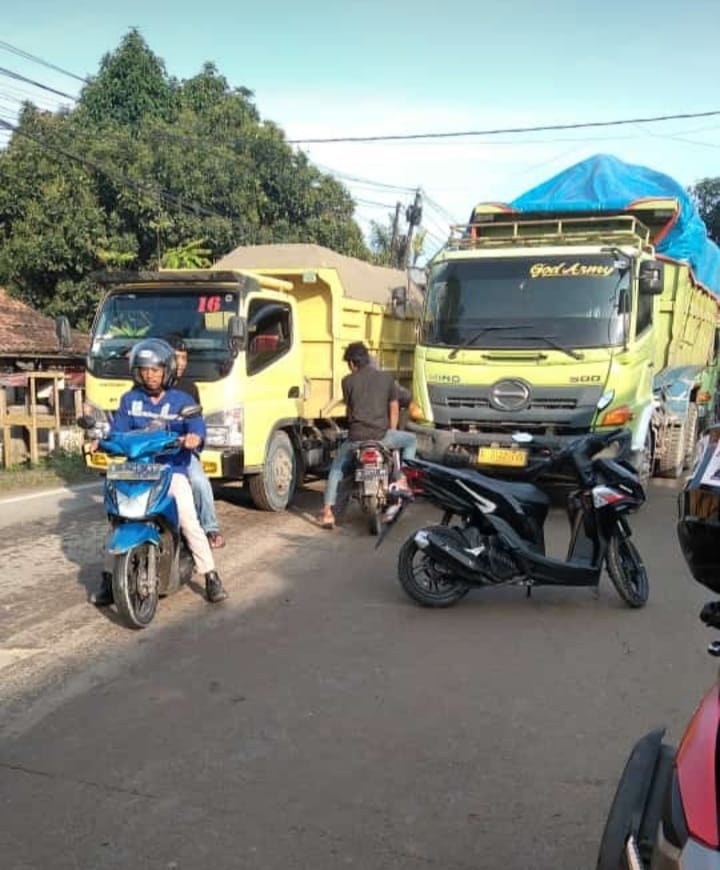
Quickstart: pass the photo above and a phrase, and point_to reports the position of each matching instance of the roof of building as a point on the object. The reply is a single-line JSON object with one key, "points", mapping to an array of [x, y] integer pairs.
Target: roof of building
{"points": [[26, 332]]}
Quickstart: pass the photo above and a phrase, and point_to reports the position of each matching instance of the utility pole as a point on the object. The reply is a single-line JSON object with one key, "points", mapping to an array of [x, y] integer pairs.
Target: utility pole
{"points": [[394, 237], [413, 215]]}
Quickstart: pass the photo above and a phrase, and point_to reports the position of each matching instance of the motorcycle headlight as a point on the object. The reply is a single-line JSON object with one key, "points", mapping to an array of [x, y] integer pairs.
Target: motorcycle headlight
{"points": [[225, 428], [134, 505]]}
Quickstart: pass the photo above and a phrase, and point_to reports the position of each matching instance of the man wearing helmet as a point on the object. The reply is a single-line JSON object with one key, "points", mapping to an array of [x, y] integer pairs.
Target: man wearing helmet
{"points": [[153, 400], [373, 410]]}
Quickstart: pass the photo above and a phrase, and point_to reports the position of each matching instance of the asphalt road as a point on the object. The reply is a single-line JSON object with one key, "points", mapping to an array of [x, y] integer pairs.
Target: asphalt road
{"points": [[319, 719]]}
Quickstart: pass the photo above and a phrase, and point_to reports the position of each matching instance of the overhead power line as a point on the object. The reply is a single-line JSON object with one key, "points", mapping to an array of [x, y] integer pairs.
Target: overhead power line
{"points": [[501, 130], [33, 57], [13, 75]]}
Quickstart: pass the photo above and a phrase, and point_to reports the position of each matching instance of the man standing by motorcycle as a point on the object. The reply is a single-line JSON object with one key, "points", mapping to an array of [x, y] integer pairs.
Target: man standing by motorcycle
{"points": [[373, 412], [154, 400]]}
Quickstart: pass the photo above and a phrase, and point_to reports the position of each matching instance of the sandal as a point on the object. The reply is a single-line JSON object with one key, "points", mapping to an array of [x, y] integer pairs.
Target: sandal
{"points": [[216, 540], [326, 523]]}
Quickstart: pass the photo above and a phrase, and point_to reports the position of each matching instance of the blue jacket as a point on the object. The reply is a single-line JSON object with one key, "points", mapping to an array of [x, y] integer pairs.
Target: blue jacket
{"points": [[137, 411]]}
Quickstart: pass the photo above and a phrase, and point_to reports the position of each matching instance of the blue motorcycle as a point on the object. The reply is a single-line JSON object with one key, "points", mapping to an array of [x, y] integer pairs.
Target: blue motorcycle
{"points": [[150, 556]]}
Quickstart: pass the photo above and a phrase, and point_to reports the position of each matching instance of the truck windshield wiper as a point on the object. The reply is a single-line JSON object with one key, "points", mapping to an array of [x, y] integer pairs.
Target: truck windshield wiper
{"points": [[550, 339], [473, 338]]}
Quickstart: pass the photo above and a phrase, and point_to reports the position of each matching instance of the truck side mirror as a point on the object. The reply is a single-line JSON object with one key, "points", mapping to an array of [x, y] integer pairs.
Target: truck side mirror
{"points": [[399, 301], [651, 277], [418, 277], [62, 331], [237, 333]]}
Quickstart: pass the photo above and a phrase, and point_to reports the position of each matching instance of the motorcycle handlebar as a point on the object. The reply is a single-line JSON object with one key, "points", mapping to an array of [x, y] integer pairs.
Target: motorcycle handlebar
{"points": [[586, 446]]}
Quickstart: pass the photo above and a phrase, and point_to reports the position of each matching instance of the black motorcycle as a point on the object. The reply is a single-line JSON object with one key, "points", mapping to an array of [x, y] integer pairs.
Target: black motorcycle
{"points": [[499, 539], [369, 483]]}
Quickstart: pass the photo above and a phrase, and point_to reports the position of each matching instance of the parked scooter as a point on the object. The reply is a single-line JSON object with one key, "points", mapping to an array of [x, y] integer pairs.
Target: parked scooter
{"points": [[499, 539], [150, 556], [666, 813], [370, 483]]}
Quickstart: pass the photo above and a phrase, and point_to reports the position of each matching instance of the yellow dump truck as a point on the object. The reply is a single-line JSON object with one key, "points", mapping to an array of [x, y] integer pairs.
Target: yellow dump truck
{"points": [[265, 328], [588, 303]]}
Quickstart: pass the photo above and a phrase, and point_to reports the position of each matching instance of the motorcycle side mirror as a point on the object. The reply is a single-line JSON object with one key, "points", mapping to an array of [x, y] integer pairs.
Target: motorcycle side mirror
{"points": [[189, 411], [86, 422]]}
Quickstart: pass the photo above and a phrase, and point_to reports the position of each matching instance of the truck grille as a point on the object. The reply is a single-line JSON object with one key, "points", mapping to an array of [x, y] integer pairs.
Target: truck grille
{"points": [[536, 403], [547, 408]]}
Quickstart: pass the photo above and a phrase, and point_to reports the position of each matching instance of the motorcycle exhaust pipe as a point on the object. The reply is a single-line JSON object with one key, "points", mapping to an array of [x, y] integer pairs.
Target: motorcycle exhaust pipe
{"points": [[442, 550]]}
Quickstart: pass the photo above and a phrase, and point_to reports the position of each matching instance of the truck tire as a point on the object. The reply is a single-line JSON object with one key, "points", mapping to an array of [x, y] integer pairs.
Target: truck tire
{"points": [[646, 459], [274, 487], [672, 461], [691, 435]]}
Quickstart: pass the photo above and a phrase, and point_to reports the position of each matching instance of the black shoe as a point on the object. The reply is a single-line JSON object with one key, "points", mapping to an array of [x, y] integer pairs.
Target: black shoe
{"points": [[104, 596], [214, 588]]}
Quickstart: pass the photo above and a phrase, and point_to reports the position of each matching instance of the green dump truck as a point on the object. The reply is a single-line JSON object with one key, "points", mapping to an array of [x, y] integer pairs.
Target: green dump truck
{"points": [[587, 303]]}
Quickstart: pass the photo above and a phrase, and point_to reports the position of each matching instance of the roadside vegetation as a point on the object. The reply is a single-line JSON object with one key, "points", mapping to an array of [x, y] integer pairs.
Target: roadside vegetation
{"points": [[61, 468]]}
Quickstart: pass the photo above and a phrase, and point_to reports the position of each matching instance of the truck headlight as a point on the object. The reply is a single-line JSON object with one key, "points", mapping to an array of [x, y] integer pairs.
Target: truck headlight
{"points": [[225, 428], [605, 400]]}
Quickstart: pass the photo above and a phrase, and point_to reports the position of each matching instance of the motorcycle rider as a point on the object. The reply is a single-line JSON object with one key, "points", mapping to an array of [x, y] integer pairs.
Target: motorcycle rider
{"points": [[153, 399], [373, 411], [201, 486]]}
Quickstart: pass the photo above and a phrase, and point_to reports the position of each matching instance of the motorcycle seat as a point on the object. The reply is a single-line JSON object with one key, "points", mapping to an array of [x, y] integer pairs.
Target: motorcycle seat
{"points": [[525, 493]]}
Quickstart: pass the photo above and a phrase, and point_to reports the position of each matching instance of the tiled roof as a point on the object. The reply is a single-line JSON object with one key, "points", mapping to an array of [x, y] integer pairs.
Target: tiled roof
{"points": [[24, 331]]}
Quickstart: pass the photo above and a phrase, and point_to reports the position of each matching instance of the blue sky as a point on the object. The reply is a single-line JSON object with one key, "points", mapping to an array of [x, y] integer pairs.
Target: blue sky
{"points": [[322, 69]]}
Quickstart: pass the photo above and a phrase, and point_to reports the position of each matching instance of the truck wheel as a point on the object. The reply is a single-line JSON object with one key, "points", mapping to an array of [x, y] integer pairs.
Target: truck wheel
{"points": [[646, 459], [274, 487], [691, 435], [672, 460]]}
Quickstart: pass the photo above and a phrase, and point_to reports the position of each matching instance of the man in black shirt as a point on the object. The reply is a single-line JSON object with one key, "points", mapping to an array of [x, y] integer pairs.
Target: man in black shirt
{"points": [[373, 411], [201, 486]]}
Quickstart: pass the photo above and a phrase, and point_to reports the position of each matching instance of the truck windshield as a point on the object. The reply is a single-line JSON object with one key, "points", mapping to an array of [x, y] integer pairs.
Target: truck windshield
{"points": [[199, 316], [513, 302]]}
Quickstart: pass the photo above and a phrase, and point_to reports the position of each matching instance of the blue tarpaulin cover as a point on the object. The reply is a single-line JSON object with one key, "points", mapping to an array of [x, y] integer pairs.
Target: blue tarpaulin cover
{"points": [[603, 183]]}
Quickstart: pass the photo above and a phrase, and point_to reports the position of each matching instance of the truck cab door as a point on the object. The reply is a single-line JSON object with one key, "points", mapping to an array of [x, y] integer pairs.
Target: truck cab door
{"points": [[274, 385]]}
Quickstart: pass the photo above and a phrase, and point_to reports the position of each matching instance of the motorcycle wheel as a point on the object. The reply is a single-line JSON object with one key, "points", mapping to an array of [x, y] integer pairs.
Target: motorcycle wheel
{"points": [[371, 506], [650, 760], [129, 572], [626, 570], [425, 580]]}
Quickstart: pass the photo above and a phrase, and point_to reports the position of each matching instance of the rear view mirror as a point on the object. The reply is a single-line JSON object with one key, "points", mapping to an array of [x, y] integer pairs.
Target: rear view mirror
{"points": [[188, 411], [399, 301], [651, 277], [86, 422], [418, 277], [237, 333]]}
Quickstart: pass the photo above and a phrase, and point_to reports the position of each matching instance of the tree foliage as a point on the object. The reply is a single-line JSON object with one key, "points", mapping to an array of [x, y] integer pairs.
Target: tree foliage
{"points": [[706, 194], [140, 170]]}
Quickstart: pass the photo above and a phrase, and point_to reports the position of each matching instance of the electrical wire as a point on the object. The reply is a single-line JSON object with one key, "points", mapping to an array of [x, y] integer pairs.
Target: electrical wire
{"points": [[33, 57], [503, 130]]}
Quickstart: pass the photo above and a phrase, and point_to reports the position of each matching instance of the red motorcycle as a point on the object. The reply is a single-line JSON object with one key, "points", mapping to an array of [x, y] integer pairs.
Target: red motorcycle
{"points": [[666, 814]]}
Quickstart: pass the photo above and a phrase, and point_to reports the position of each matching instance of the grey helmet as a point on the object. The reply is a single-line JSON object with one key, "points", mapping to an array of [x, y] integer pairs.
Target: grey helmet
{"points": [[153, 353]]}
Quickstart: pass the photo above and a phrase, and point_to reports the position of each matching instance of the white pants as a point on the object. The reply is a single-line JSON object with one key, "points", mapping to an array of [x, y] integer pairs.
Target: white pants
{"points": [[196, 538]]}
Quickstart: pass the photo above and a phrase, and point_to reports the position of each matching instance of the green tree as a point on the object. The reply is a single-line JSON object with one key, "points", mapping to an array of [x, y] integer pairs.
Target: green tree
{"points": [[144, 167], [706, 194]]}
